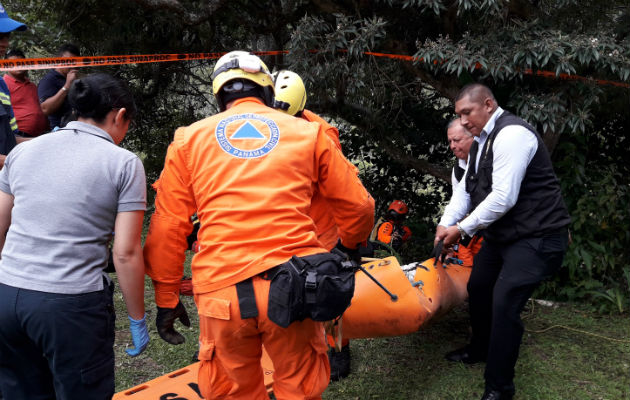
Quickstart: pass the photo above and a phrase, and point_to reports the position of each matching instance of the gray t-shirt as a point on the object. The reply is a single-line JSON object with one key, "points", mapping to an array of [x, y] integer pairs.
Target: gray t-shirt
{"points": [[68, 187]]}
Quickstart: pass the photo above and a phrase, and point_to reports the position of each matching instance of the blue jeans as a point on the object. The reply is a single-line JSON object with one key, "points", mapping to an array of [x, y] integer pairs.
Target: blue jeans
{"points": [[56, 346]]}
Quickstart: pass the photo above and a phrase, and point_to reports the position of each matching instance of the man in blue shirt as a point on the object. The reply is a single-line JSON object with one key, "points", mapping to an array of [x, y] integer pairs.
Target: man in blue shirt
{"points": [[8, 124], [53, 88]]}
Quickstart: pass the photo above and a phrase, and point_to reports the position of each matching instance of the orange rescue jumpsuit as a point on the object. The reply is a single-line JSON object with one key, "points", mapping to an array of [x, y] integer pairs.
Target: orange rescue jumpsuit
{"points": [[467, 253], [386, 230], [326, 228], [250, 173], [325, 225]]}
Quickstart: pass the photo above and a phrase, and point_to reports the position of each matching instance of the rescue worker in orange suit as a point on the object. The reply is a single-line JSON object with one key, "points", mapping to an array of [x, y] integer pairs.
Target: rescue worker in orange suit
{"points": [[390, 229], [459, 141], [248, 172], [290, 97]]}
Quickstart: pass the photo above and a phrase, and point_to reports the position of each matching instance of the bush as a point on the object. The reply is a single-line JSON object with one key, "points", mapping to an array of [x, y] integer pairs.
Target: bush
{"points": [[595, 182]]}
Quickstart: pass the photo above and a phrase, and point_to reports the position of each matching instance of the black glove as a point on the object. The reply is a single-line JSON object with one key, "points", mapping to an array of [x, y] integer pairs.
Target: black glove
{"points": [[351, 254], [165, 319], [438, 252]]}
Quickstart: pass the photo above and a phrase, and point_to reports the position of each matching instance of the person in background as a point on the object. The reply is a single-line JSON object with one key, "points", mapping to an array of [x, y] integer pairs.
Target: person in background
{"points": [[290, 97], [249, 173], [8, 124], [512, 194], [56, 303], [390, 228], [459, 141], [31, 121], [53, 88]]}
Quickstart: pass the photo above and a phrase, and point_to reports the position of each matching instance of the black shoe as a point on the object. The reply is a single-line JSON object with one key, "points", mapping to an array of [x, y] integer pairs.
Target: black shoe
{"points": [[339, 363], [464, 355], [496, 395]]}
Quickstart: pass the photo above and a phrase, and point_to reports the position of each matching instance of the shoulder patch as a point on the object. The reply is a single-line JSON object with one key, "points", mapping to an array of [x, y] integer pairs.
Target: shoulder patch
{"points": [[247, 135]]}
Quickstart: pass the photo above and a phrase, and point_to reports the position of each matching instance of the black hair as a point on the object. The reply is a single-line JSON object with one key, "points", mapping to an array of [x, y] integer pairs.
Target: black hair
{"points": [[69, 48], [239, 88], [477, 92], [97, 94], [15, 53]]}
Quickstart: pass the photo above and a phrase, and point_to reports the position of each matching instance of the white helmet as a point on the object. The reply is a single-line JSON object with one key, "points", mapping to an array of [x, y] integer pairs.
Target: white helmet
{"points": [[238, 73]]}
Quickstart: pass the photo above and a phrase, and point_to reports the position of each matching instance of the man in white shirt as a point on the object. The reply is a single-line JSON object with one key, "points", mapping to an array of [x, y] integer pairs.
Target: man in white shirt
{"points": [[459, 141], [511, 193]]}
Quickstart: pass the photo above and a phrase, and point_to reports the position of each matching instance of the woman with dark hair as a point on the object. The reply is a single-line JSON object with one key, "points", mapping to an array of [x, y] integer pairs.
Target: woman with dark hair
{"points": [[56, 308]]}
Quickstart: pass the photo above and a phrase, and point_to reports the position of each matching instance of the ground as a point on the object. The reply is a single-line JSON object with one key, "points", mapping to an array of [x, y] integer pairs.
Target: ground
{"points": [[583, 356]]}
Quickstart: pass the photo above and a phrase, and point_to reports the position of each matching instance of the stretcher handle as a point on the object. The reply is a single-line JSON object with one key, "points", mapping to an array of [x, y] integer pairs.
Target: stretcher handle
{"points": [[437, 252], [391, 295]]}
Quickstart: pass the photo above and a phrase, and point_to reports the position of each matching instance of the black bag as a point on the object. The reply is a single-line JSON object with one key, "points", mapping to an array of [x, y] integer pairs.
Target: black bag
{"points": [[318, 287]]}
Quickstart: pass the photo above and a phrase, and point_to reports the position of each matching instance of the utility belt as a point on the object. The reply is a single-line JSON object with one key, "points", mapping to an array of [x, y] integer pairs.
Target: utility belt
{"points": [[319, 287]]}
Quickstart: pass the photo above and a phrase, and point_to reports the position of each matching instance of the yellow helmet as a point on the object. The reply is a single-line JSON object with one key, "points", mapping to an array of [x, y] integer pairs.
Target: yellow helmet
{"points": [[290, 92], [240, 66]]}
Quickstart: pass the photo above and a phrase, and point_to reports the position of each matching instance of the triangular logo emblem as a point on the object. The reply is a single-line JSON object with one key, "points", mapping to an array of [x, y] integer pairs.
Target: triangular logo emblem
{"points": [[247, 131]]}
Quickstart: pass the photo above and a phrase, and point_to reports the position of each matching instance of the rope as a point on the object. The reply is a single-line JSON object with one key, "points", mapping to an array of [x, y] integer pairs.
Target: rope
{"points": [[579, 331], [570, 329]]}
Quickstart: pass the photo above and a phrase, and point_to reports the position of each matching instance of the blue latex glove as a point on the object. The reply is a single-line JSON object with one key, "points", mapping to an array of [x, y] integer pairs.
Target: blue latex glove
{"points": [[453, 260], [139, 335]]}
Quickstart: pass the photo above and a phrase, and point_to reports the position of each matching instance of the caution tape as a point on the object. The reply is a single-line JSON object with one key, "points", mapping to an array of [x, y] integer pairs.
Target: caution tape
{"points": [[96, 61], [100, 61], [529, 71]]}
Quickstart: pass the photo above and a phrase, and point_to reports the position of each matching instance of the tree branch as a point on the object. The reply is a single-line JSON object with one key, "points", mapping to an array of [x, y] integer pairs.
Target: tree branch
{"points": [[194, 17], [446, 87], [363, 117]]}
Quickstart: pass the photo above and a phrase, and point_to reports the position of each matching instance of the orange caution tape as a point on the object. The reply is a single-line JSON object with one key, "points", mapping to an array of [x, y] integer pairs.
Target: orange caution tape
{"points": [[97, 61], [546, 74]]}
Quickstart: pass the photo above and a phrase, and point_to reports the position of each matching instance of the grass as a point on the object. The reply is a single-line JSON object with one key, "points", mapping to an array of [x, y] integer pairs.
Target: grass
{"points": [[559, 363]]}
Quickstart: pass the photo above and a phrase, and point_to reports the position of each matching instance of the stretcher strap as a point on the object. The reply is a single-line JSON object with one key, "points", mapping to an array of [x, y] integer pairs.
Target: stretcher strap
{"points": [[247, 299]]}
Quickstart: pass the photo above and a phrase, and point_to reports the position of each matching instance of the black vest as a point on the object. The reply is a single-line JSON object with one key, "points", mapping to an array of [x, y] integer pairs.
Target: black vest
{"points": [[458, 171], [539, 208]]}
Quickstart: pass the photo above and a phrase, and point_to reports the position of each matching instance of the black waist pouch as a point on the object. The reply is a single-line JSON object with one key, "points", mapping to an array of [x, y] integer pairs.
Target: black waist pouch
{"points": [[319, 287]]}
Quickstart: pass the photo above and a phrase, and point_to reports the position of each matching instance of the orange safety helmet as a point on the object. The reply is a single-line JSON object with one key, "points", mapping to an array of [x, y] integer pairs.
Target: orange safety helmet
{"points": [[399, 206]]}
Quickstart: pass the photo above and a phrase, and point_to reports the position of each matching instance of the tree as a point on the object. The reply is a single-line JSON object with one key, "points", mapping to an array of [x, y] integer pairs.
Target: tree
{"points": [[392, 112]]}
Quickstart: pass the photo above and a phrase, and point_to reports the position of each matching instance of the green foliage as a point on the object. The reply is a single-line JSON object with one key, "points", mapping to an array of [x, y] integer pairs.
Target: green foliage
{"points": [[392, 114], [596, 186], [614, 299]]}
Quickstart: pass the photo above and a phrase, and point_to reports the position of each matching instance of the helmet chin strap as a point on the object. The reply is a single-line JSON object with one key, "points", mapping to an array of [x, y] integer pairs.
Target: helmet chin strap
{"points": [[281, 105]]}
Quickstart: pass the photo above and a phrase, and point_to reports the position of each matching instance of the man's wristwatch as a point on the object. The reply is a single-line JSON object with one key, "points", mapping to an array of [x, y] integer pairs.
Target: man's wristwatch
{"points": [[465, 238], [461, 231]]}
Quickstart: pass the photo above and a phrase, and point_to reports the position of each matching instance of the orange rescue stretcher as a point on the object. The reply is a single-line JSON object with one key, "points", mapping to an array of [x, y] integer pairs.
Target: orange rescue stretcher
{"points": [[418, 293], [181, 384]]}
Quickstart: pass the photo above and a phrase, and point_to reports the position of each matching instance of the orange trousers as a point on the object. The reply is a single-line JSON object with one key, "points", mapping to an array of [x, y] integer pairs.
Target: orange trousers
{"points": [[231, 348]]}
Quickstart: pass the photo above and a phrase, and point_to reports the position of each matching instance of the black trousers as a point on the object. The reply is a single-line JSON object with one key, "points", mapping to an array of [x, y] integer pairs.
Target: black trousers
{"points": [[56, 346], [503, 278]]}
